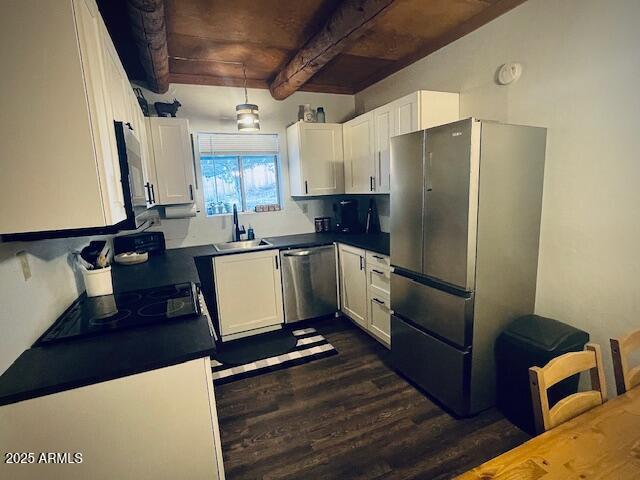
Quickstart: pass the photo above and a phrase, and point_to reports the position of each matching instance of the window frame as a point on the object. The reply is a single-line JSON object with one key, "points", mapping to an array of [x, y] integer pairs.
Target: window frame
{"points": [[240, 162]]}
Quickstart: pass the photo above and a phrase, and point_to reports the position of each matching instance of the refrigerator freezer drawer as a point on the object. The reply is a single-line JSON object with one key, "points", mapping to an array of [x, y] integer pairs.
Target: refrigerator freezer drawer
{"points": [[444, 314], [439, 369]]}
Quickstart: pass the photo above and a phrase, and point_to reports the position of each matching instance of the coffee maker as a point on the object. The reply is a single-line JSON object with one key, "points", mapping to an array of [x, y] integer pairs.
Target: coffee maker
{"points": [[346, 212]]}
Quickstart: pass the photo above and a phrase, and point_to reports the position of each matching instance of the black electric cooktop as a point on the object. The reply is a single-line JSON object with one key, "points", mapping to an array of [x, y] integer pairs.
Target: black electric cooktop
{"points": [[97, 315]]}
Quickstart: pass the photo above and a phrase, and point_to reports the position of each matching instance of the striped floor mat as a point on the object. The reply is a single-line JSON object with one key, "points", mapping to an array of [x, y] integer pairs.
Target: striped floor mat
{"points": [[309, 346]]}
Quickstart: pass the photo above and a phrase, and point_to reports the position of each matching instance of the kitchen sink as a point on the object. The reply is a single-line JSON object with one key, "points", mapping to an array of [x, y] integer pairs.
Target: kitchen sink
{"points": [[242, 245]]}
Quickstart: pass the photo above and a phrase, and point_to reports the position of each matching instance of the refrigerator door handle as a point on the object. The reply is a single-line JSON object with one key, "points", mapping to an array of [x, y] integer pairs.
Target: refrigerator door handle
{"points": [[428, 169]]}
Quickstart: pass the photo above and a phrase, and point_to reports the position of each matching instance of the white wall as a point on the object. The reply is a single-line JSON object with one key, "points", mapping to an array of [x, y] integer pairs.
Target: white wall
{"points": [[212, 109], [580, 80], [28, 307]]}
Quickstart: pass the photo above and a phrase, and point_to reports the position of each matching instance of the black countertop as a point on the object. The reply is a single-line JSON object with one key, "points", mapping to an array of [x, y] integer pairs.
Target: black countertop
{"points": [[54, 368], [377, 242], [63, 366], [168, 268]]}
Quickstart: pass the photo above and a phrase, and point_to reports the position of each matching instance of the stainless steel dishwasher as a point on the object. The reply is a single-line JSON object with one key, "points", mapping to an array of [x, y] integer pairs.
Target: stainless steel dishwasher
{"points": [[309, 282]]}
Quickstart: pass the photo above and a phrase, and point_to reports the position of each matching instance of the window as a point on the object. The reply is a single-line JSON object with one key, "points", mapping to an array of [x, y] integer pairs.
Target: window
{"points": [[239, 169]]}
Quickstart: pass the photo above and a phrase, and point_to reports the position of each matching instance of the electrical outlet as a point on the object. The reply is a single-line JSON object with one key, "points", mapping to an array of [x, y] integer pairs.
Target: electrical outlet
{"points": [[24, 264]]}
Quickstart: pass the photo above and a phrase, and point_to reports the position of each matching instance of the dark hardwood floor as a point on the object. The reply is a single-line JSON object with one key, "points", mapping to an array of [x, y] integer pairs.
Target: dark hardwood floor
{"points": [[349, 416]]}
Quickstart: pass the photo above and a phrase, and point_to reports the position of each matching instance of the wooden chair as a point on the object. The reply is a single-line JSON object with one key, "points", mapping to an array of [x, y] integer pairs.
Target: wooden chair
{"points": [[558, 369], [621, 348]]}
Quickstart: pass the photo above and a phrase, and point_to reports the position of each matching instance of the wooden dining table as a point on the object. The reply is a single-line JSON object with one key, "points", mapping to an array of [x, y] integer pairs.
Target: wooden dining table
{"points": [[602, 443]]}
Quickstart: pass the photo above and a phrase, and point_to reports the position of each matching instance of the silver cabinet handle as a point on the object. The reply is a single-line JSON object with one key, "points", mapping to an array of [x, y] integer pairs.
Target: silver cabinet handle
{"points": [[191, 191], [361, 261], [277, 262], [306, 187], [379, 302], [380, 168], [377, 271], [378, 257]]}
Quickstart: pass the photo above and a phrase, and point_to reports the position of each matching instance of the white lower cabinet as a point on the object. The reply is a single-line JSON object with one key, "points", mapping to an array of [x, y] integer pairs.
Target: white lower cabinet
{"points": [[353, 283], [380, 319], [364, 287], [160, 424], [248, 291]]}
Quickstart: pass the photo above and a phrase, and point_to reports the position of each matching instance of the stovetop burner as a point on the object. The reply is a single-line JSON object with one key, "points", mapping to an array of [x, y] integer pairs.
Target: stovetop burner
{"points": [[96, 315], [128, 298], [170, 308], [169, 291], [111, 319]]}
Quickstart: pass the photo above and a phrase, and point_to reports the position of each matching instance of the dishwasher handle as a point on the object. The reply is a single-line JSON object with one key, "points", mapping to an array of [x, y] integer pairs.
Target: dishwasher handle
{"points": [[306, 253]]}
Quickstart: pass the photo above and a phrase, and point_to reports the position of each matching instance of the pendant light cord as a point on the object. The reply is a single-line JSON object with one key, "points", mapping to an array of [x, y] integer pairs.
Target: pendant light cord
{"points": [[244, 72]]}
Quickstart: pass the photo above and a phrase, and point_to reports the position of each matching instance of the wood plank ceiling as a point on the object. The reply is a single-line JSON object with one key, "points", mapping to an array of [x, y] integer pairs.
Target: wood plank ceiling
{"points": [[206, 37]]}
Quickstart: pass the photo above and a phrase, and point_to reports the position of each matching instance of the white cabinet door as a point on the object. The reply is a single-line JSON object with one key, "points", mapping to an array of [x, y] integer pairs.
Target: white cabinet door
{"points": [[384, 120], [315, 159], [353, 283], [248, 291], [359, 154], [173, 160], [160, 424], [92, 54], [380, 319], [116, 83], [407, 113]]}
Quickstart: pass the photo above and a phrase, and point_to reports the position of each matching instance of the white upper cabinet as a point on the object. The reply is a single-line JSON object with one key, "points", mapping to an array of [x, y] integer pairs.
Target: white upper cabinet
{"points": [[59, 166], [385, 128], [406, 114], [359, 154], [367, 161], [315, 159], [93, 43], [173, 159]]}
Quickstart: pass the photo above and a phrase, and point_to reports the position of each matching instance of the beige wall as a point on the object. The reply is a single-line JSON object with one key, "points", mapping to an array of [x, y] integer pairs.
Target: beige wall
{"points": [[581, 73], [212, 109], [28, 307]]}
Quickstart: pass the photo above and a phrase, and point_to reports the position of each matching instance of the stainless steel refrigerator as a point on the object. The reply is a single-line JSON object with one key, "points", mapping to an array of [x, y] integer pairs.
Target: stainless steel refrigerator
{"points": [[466, 201]]}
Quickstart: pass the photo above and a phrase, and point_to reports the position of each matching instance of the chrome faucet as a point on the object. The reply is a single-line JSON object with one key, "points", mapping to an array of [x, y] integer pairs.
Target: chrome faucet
{"points": [[237, 231]]}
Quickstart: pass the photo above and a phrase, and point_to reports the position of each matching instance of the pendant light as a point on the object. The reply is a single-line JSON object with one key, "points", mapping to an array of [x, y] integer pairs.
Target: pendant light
{"points": [[247, 113]]}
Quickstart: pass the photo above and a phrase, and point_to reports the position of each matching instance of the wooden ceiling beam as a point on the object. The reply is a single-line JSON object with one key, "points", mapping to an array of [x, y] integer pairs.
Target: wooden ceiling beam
{"points": [[150, 34], [498, 8], [351, 20]]}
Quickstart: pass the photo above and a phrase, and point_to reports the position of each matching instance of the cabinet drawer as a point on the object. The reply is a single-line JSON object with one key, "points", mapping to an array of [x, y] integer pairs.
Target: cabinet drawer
{"points": [[380, 319], [378, 260], [378, 281]]}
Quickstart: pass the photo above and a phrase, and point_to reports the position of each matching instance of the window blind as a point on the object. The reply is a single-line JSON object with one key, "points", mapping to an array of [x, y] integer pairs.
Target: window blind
{"points": [[237, 144]]}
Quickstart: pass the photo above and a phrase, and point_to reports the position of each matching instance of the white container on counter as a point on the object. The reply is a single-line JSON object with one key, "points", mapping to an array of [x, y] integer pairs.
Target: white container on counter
{"points": [[97, 282]]}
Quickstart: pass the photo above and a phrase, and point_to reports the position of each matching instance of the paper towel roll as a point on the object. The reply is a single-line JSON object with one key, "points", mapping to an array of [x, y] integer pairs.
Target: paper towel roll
{"points": [[180, 211]]}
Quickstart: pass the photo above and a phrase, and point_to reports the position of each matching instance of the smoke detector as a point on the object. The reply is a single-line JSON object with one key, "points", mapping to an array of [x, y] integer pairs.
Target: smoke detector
{"points": [[509, 73]]}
